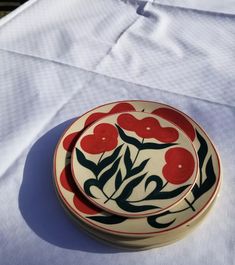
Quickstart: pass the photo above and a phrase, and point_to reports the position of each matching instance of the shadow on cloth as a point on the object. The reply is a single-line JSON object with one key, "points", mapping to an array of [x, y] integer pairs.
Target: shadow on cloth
{"points": [[39, 205]]}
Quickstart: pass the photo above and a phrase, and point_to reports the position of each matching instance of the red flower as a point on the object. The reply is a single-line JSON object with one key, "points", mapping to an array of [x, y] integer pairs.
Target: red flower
{"points": [[120, 107], [179, 165], [148, 128], [70, 141], [67, 180], [178, 119], [104, 138], [127, 122], [83, 205], [80, 202]]}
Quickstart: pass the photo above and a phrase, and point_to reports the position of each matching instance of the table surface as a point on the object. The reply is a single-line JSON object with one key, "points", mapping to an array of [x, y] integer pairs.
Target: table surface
{"points": [[60, 58]]}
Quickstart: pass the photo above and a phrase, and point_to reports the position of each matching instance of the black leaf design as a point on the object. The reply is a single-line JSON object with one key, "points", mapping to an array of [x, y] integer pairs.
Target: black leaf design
{"points": [[155, 146], [126, 192], [202, 152], [88, 184], [166, 194], [109, 220], [85, 162], [138, 169], [128, 139], [198, 191], [138, 144], [109, 159], [152, 220], [157, 180], [118, 179], [127, 160], [125, 205], [109, 173]]}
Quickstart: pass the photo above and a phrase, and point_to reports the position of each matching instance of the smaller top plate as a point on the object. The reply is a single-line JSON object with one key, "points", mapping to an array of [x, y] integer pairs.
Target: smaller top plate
{"points": [[134, 164]]}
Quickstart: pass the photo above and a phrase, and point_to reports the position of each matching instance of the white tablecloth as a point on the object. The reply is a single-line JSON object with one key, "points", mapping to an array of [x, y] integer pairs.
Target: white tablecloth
{"points": [[60, 58]]}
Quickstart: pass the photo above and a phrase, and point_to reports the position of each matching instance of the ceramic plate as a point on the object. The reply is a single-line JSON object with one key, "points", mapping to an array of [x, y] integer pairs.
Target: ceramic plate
{"points": [[145, 243], [142, 243], [185, 212], [134, 164]]}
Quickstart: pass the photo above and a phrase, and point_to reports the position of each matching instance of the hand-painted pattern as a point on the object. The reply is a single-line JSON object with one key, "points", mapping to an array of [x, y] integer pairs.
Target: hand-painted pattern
{"points": [[179, 166], [205, 189], [198, 189]]}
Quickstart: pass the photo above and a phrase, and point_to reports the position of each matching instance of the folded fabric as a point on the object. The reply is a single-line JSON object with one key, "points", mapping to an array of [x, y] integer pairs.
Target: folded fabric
{"points": [[60, 58], [226, 6]]}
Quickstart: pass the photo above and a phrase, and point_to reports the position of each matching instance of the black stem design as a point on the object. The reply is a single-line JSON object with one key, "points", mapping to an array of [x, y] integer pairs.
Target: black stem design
{"points": [[101, 157], [110, 198], [164, 185], [190, 205], [137, 154], [106, 196]]}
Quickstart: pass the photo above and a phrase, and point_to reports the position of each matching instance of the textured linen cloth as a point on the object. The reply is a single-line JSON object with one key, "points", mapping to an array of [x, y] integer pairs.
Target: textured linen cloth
{"points": [[60, 58], [225, 6]]}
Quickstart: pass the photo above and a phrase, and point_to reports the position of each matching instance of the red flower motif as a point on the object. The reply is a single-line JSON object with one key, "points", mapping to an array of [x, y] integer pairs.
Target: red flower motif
{"points": [[178, 119], [70, 141], [104, 138], [148, 128], [120, 107], [83, 205], [66, 179], [127, 122], [179, 165], [79, 200]]}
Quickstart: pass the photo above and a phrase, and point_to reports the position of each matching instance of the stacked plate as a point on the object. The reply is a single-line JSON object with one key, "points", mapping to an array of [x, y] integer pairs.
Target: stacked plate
{"points": [[136, 174]]}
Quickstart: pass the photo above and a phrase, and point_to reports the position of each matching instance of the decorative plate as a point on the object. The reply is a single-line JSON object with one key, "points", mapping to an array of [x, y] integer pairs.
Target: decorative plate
{"points": [[141, 243], [134, 164], [197, 200]]}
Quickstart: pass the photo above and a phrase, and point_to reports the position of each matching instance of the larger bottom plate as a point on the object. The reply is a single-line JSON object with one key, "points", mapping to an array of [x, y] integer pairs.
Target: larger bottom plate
{"points": [[179, 216], [139, 243]]}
